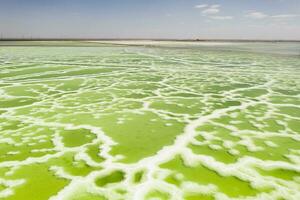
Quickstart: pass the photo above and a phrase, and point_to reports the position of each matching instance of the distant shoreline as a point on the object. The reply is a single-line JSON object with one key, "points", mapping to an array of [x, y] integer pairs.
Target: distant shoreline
{"points": [[131, 39]]}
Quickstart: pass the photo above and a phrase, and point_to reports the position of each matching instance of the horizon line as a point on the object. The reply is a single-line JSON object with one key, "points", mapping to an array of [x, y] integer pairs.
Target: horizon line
{"points": [[152, 39]]}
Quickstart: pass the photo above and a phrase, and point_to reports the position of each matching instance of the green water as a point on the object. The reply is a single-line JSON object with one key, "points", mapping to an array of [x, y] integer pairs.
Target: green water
{"points": [[87, 121]]}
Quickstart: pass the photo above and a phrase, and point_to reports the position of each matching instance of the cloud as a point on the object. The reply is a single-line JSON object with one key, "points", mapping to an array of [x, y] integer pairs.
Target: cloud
{"points": [[215, 6], [210, 11], [221, 17], [201, 6], [256, 15], [285, 16], [261, 15]]}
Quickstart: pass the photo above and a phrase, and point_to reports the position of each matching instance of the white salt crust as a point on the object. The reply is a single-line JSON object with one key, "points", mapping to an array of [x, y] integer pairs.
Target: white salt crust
{"points": [[154, 176]]}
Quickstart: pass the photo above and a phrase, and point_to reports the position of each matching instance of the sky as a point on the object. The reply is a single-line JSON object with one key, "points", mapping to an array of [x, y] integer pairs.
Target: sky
{"points": [[151, 19]]}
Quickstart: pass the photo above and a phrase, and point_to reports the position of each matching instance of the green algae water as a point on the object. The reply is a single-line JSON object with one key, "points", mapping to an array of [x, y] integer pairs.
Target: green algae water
{"points": [[149, 120]]}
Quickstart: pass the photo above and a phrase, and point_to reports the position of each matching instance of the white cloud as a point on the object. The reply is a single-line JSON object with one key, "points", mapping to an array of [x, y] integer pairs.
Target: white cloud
{"points": [[261, 15], [221, 17], [256, 15], [201, 6], [215, 6], [210, 11], [285, 16]]}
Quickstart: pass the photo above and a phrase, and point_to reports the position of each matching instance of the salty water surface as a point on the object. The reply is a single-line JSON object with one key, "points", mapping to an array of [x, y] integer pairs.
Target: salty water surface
{"points": [[192, 121]]}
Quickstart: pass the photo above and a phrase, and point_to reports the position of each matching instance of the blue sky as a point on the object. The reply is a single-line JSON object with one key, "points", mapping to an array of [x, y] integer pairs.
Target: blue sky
{"points": [[182, 19]]}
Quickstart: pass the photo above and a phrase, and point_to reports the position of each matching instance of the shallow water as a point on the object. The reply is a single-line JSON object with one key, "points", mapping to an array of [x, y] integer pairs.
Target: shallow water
{"points": [[164, 121]]}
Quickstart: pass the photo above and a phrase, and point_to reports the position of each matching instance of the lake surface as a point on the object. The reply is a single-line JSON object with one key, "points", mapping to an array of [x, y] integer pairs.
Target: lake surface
{"points": [[149, 120]]}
